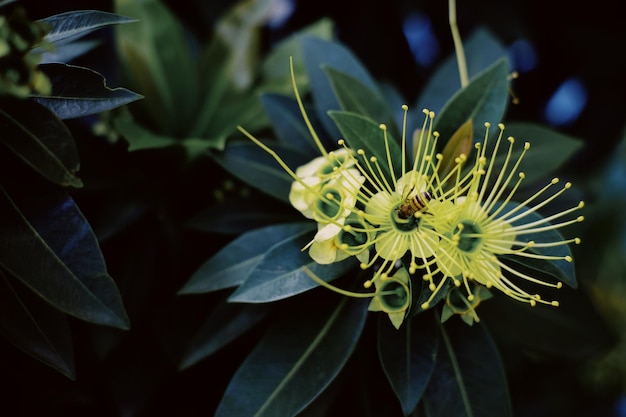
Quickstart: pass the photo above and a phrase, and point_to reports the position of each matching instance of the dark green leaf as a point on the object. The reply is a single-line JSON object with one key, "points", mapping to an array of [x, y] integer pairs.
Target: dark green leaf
{"points": [[481, 50], [287, 122], [139, 137], [275, 67], [67, 52], [233, 263], [48, 245], [281, 273], [36, 328], [574, 330], [282, 374], [408, 356], [356, 97], [483, 100], [363, 133], [548, 152], [234, 216], [78, 91], [225, 324], [73, 24], [157, 61], [469, 379], [318, 53], [561, 269], [41, 140], [254, 166]]}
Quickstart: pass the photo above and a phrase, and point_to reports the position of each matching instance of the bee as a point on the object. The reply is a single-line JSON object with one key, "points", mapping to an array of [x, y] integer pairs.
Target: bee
{"points": [[412, 205]]}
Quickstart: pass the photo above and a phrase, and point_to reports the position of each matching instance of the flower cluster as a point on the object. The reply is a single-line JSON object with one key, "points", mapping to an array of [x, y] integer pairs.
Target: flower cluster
{"points": [[19, 75], [455, 228]]}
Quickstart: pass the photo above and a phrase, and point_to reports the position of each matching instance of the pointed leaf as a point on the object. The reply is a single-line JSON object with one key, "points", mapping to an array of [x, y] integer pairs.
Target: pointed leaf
{"points": [[48, 245], [251, 164], [282, 374], [483, 100], [67, 52], [460, 143], [481, 50], [156, 58], [408, 357], [281, 273], [41, 140], [317, 53], [233, 263], [140, 138], [275, 67], [287, 122], [469, 379], [225, 324], [73, 24], [78, 92], [36, 328], [234, 217], [356, 97], [363, 133], [573, 331]]}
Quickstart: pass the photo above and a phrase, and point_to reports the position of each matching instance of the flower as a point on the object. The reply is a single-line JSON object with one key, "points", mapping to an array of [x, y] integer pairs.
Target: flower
{"points": [[19, 73], [480, 224], [453, 226], [393, 296]]}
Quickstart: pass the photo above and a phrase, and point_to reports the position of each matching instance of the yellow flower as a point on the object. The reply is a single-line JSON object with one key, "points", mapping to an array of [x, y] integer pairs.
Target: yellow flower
{"points": [[393, 297], [478, 224]]}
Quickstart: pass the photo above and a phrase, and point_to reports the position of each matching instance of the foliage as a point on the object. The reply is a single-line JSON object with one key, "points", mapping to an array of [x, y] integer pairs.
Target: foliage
{"points": [[173, 210], [51, 263]]}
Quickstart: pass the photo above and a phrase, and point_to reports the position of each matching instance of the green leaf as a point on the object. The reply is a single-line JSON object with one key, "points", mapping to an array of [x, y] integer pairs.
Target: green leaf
{"points": [[548, 152], [48, 245], [36, 328], [356, 97], [483, 100], [282, 374], [140, 138], [281, 272], [318, 53], [41, 140], [227, 322], [573, 331], [482, 49], [469, 379], [363, 133], [69, 51], [78, 92], [275, 70], [73, 24], [254, 166], [156, 59], [408, 356], [233, 263], [233, 216], [287, 122], [560, 269]]}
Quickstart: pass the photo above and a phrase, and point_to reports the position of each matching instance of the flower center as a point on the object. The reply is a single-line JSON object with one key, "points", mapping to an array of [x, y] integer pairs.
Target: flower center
{"points": [[467, 234], [395, 296], [330, 167], [330, 207], [402, 223]]}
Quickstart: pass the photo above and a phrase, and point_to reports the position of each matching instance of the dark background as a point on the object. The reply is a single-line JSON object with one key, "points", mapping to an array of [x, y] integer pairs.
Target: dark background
{"points": [[139, 378]]}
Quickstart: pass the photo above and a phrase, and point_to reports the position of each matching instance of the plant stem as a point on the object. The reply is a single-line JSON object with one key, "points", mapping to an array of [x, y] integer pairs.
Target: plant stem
{"points": [[458, 44]]}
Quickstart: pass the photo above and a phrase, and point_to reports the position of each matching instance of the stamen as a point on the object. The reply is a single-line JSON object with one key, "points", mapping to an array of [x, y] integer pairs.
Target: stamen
{"points": [[338, 290], [309, 126]]}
